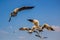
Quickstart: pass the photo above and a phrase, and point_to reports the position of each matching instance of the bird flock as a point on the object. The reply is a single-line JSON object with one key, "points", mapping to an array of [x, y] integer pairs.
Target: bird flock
{"points": [[36, 28]]}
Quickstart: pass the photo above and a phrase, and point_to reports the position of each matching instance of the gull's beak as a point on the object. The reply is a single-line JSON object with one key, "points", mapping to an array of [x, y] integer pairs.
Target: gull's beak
{"points": [[31, 20]]}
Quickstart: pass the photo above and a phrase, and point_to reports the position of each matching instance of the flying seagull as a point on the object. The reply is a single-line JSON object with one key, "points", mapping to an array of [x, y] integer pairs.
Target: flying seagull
{"points": [[16, 10], [36, 25], [48, 27]]}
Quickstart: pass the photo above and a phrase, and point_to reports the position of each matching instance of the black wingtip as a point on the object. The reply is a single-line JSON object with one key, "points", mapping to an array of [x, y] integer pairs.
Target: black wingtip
{"points": [[28, 7], [20, 28], [31, 20], [52, 29], [31, 7]]}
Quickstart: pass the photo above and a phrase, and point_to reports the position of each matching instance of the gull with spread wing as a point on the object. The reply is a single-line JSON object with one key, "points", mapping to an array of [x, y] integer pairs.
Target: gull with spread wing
{"points": [[16, 10], [36, 25]]}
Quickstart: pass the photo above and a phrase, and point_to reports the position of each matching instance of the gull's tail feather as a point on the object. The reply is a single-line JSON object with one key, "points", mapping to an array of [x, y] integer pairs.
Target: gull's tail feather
{"points": [[9, 19]]}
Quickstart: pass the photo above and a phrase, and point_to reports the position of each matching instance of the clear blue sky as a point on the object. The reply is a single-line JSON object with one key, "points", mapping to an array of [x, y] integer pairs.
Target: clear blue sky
{"points": [[46, 11]]}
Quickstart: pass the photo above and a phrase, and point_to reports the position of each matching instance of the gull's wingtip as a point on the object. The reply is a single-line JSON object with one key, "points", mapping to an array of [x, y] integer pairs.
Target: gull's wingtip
{"points": [[21, 28], [32, 7], [31, 20]]}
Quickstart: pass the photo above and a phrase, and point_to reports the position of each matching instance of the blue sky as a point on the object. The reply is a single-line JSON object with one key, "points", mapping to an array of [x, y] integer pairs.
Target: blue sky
{"points": [[46, 11]]}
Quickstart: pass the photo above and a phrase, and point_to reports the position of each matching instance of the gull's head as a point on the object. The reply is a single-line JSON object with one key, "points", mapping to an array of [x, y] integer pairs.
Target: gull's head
{"points": [[34, 21]]}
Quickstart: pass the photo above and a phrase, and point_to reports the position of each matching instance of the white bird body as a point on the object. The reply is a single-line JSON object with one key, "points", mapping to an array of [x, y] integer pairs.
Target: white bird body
{"points": [[36, 24]]}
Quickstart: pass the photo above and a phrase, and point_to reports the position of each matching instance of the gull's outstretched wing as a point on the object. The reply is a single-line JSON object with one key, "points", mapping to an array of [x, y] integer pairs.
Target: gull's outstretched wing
{"points": [[34, 21], [29, 30], [24, 28], [16, 10], [48, 27], [25, 8]]}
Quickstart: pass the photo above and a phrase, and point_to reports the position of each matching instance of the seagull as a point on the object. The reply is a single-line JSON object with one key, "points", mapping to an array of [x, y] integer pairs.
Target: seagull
{"points": [[48, 27], [16, 10], [36, 25]]}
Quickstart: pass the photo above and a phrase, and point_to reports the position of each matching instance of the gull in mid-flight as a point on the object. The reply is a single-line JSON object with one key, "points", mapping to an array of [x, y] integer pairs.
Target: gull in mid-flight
{"points": [[16, 10], [36, 25]]}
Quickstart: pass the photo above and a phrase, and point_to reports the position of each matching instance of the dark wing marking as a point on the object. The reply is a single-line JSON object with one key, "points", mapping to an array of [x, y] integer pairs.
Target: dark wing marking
{"points": [[23, 28], [51, 29], [25, 8]]}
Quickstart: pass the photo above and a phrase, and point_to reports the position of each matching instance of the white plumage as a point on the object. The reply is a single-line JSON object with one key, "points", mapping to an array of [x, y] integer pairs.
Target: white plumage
{"points": [[36, 24]]}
